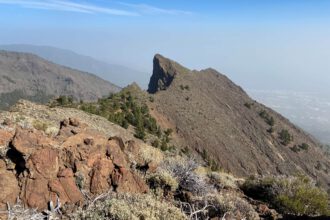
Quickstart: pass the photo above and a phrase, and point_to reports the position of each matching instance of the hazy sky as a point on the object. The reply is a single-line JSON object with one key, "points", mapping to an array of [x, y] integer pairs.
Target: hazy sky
{"points": [[259, 44]]}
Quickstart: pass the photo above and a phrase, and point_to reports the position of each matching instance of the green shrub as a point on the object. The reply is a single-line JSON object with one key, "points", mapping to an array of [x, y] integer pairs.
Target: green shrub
{"points": [[248, 105], [267, 118], [285, 137], [304, 146], [290, 195], [139, 132], [297, 148]]}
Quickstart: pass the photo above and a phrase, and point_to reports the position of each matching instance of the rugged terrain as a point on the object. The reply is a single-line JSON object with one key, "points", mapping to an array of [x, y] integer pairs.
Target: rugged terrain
{"points": [[69, 161], [28, 76], [63, 163], [215, 117]]}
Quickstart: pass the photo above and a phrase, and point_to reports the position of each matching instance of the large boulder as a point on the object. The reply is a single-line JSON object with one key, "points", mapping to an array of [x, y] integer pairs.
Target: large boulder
{"points": [[47, 168], [28, 141]]}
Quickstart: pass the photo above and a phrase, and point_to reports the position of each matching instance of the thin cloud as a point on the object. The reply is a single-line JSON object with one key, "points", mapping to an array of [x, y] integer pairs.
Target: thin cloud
{"points": [[149, 9], [58, 5]]}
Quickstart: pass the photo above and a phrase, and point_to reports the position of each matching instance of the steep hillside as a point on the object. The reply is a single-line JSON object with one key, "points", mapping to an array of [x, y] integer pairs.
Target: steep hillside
{"points": [[215, 117], [118, 74], [28, 76]]}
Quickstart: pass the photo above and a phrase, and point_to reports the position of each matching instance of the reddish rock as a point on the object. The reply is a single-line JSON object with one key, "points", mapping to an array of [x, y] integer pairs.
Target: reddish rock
{"points": [[99, 164], [45, 162], [27, 141], [69, 185], [119, 141], [2, 166], [101, 172], [5, 137], [126, 181], [74, 122], [116, 154], [36, 193], [58, 191], [9, 188]]}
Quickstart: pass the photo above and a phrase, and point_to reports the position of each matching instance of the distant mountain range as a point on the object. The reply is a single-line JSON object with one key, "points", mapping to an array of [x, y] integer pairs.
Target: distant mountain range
{"points": [[117, 74], [27, 76]]}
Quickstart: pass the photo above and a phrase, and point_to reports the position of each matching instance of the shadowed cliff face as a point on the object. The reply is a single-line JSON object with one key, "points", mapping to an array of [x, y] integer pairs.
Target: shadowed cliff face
{"points": [[212, 115], [164, 72]]}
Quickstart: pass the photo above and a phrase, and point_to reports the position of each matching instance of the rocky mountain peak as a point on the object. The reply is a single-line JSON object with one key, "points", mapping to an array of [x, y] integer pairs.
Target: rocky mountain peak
{"points": [[164, 71]]}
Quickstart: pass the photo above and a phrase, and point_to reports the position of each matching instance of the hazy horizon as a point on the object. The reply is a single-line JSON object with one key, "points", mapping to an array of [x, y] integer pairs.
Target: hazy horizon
{"points": [[282, 45]]}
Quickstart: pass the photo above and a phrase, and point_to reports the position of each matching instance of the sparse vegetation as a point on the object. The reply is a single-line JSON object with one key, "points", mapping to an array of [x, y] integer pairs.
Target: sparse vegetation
{"points": [[128, 206], [226, 203], [248, 105], [122, 109], [64, 100], [223, 180], [163, 179], [298, 148], [267, 118], [285, 137], [209, 161], [290, 195], [39, 125]]}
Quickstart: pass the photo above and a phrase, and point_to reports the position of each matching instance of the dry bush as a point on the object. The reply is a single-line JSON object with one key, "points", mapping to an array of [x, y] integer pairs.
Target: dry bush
{"points": [[223, 180], [149, 154], [127, 206], [19, 212], [184, 171], [163, 179], [40, 125], [230, 203]]}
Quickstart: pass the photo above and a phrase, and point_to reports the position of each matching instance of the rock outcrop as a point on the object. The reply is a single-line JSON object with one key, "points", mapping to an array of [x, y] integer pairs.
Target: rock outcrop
{"points": [[37, 168], [163, 73]]}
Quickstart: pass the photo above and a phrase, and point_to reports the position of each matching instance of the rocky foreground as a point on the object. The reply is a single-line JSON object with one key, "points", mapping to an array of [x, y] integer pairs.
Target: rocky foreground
{"points": [[59, 163]]}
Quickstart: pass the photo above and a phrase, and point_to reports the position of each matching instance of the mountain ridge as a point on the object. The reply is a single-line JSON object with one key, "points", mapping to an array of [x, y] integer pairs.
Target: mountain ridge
{"points": [[212, 115], [25, 75], [117, 74]]}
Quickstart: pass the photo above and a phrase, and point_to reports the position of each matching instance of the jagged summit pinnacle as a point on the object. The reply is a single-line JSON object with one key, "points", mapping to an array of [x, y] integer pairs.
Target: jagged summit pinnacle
{"points": [[164, 71]]}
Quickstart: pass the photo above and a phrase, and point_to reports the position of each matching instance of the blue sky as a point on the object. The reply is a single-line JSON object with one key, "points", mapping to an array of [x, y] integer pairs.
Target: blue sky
{"points": [[259, 44]]}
